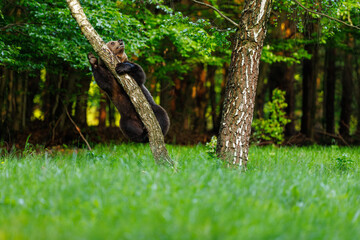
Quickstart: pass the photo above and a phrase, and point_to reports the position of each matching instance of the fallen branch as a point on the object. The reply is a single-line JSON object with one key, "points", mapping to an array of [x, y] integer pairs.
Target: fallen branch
{"points": [[77, 128], [338, 136]]}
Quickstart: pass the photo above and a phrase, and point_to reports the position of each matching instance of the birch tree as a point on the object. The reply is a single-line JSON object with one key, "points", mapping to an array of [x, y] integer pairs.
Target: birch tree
{"points": [[156, 138], [238, 108]]}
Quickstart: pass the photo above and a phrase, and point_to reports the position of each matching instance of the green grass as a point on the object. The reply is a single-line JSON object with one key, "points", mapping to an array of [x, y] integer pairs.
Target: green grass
{"points": [[119, 193]]}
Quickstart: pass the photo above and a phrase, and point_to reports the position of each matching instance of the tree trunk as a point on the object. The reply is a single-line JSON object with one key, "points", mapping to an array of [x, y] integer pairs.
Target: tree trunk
{"points": [[225, 73], [17, 101], [288, 87], [310, 70], [102, 110], [235, 127], [347, 93], [33, 89], [262, 88], [110, 109], [329, 89], [357, 67], [211, 70], [282, 76], [156, 138], [3, 100], [81, 101], [50, 96], [166, 93], [200, 99]]}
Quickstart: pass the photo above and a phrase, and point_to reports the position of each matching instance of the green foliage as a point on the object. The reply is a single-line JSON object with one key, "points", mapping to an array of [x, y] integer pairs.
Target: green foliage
{"points": [[211, 146], [344, 163], [119, 193], [43, 34], [269, 55], [271, 127], [285, 11]]}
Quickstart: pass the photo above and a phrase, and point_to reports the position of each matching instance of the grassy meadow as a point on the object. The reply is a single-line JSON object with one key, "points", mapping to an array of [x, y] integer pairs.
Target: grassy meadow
{"points": [[117, 192]]}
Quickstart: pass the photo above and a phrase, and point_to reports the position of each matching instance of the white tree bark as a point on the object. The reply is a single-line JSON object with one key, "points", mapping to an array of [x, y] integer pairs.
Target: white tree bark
{"points": [[156, 138], [235, 126]]}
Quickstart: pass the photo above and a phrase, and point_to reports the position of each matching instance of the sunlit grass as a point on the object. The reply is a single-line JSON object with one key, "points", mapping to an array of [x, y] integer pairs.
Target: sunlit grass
{"points": [[119, 193]]}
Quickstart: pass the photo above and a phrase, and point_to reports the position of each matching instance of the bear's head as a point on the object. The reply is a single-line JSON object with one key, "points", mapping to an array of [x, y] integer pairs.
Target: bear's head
{"points": [[118, 48]]}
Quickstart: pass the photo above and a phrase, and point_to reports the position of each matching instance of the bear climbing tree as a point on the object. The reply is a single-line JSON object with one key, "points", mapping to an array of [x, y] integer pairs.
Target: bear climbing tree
{"points": [[130, 123], [156, 138]]}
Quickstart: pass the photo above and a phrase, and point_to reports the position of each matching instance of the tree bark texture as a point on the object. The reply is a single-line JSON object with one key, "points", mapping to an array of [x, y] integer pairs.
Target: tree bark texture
{"points": [[237, 116], [156, 138]]}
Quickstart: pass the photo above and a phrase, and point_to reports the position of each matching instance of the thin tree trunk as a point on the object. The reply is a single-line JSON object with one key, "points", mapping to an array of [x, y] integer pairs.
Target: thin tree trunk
{"points": [[225, 71], [24, 102], [290, 99], [156, 138], [110, 112], [49, 96], [211, 70], [3, 102], [102, 110], [81, 101], [165, 93], [18, 100], [33, 88], [261, 90], [200, 99], [357, 67], [181, 104], [282, 76], [347, 93], [235, 127], [310, 70], [329, 103]]}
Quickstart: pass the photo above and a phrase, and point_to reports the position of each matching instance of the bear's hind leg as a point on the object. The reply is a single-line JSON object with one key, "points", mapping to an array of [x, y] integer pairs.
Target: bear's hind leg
{"points": [[162, 118], [134, 130]]}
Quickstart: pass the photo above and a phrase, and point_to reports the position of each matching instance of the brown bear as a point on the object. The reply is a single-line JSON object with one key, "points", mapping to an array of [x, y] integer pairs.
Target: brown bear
{"points": [[130, 122]]}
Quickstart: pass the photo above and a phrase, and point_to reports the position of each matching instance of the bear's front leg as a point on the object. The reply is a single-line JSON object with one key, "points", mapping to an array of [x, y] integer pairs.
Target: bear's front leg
{"points": [[93, 60], [102, 75], [124, 68], [133, 69]]}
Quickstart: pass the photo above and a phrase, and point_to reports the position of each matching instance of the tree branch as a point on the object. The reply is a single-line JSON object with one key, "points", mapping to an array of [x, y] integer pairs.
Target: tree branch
{"points": [[142, 106], [10, 25], [77, 128], [325, 15], [218, 11]]}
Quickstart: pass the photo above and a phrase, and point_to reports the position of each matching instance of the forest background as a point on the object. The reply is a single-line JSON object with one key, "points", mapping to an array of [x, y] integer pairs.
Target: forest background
{"points": [[185, 50]]}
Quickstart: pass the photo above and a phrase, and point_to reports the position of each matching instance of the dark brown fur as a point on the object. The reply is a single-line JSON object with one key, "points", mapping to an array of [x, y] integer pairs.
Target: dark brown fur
{"points": [[130, 123]]}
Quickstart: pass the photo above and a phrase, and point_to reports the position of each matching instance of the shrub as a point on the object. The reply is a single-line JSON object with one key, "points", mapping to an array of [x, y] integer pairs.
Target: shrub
{"points": [[343, 163], [211, 146], [271, 127]]}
